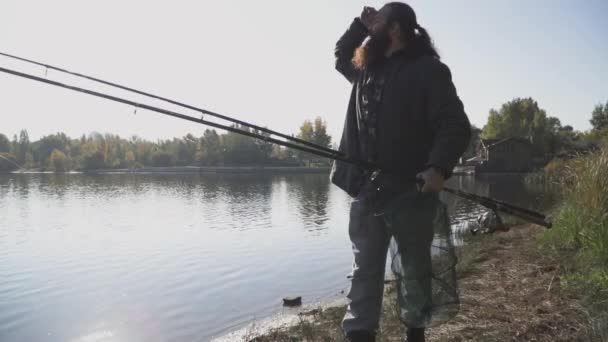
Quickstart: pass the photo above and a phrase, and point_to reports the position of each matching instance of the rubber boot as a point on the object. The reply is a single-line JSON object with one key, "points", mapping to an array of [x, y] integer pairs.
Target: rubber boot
{"points": [[415, 335], [360, 336]]}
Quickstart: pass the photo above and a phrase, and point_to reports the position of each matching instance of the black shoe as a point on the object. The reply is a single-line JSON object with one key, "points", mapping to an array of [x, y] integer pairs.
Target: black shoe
{"points": [[415, 335], [360, 336]]}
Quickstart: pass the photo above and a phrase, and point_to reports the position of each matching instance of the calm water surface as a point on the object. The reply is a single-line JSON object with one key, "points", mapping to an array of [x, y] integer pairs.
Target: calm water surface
{"points": [[174, 258]]}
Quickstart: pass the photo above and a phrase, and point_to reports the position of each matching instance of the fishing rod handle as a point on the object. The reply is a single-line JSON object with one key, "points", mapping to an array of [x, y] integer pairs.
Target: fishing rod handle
{"points": [[535, 220]]}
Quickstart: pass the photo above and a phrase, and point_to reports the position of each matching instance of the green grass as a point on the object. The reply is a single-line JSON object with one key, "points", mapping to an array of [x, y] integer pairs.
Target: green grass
{"points": [[579, 239]]}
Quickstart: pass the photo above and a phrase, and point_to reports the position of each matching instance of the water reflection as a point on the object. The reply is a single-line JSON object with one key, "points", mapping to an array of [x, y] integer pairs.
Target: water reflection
{"points": [[509, 188], [246, 199], [310, 193], [17, 184], [157, 258]]}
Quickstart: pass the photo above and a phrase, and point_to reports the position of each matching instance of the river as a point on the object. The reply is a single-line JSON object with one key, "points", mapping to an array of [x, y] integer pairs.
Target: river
{"points": [[176, 258]]}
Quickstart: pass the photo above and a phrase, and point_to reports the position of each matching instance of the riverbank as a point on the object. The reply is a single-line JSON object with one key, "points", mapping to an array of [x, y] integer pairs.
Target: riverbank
{"points": [[510, 291], [216, 169], [196, 170]]}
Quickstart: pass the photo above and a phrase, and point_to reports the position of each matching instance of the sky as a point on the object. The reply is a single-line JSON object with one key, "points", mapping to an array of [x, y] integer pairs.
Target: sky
{"points": [[271, 62]]}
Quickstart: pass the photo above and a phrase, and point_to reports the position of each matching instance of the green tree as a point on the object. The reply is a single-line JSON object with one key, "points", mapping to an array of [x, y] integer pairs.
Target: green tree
{"points": [[130, 160], [213, 146], [14, 145], [209, 148], [5, 144], [264, 148], [241, 150], [101, 151], [93, 160], [24, 146], [567, 137], [599, 117], [58, 161], [186, 149], [320, 136], [307, 131], [315, 132], [285, 155], [29, 161], [162, 158], [523, 118], [47, 144], [471, 150], [143, 151]]}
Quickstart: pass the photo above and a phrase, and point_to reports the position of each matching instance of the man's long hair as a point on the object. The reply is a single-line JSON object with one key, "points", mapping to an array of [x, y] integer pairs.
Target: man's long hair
{"points": [[418, 41]]}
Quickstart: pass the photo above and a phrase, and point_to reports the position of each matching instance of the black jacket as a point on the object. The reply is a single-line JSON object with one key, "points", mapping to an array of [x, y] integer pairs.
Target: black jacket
{"points": [[421, 121]]}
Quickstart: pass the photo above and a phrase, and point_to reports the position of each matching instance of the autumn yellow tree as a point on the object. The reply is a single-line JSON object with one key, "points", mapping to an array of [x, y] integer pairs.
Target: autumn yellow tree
{"points": [[58, 161]]}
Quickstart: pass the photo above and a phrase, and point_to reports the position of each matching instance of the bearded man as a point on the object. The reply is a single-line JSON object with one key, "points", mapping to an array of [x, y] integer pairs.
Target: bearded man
{"points": [[404, 115]]}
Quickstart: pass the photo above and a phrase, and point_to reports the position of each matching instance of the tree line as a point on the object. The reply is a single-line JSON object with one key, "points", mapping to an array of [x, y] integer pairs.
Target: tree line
{"points": [[524, 118], [60, 153], [520, 118]]}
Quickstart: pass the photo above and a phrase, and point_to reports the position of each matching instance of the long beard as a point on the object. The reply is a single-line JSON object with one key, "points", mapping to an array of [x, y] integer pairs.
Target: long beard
{"points": [[372, 50]]}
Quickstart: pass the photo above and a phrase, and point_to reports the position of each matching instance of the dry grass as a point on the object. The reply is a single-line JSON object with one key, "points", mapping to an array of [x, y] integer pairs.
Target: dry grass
{"points": [[509, 293]]}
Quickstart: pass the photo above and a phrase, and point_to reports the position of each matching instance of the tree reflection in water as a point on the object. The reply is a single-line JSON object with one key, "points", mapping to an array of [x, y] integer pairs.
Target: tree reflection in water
{"points": [[310, 193]]}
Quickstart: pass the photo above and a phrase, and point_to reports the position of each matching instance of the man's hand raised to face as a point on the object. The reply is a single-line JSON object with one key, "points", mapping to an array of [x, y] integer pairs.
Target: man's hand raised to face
{"points": [[367, 17]]}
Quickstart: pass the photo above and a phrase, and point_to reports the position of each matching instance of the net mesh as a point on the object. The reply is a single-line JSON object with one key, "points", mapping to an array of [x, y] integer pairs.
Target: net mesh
{"points": [[423, 259]]}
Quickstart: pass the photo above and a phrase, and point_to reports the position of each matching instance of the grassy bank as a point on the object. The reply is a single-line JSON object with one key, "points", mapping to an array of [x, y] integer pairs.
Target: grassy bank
{"points": [[578, 243], [509, 292], [529, 284]]}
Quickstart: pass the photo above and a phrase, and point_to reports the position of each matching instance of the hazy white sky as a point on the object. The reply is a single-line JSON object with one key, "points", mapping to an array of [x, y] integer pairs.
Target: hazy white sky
{"points": [[271, 62]]}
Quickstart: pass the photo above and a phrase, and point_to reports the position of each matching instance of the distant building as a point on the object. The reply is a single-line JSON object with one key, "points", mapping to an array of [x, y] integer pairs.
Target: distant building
{"points": [[504, 155]]}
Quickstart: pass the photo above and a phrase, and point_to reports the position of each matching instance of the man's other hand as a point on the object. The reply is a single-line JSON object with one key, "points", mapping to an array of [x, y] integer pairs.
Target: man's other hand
{"points": [[433, 180]]}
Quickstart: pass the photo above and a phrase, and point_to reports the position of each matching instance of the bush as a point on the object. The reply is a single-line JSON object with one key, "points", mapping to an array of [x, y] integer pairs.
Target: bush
{"points": [[550, 181], [555, 166]]}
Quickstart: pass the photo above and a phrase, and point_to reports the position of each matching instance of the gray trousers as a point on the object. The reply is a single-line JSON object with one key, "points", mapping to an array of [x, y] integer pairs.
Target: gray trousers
{"points": [[370, 239]]}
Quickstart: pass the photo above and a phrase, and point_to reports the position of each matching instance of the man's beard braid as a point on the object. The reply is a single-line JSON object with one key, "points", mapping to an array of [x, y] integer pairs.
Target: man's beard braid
{"points": [[372, 50]]}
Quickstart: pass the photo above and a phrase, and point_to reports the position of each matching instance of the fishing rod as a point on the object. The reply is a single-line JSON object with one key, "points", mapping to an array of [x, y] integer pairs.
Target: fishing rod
{"points": [[479, 198], [181, 104], [12, 162], [496, 205], [242, 123], [335, 155]]}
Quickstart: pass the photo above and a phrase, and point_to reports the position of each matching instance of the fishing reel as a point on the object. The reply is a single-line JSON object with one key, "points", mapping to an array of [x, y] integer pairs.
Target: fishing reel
{"points": [[381, 181], [384, 187]]}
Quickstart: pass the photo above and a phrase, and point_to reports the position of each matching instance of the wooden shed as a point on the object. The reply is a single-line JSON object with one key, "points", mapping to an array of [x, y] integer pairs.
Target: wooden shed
{"points": [[504, 155]]}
